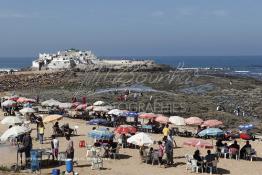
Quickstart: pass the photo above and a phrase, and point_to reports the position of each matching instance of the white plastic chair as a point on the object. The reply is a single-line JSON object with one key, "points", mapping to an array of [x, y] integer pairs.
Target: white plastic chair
{"points": [[76, 129], [233, 152], [195, 167], [97, 162], [212, 166], [116, 153], [155, 158], [225, 152], [188, 162]]}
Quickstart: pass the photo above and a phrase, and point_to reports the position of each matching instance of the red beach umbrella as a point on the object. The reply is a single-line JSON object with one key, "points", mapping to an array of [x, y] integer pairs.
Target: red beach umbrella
{"points": [[147, 116], [75, 104], [212, 123], [245, 136], [21, 100], [81, 107], [162, 119], [194, 121], [125, 129]]}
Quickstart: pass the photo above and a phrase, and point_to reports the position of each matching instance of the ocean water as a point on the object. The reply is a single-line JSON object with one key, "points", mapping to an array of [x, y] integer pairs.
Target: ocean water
{"points": [[242, 65]]}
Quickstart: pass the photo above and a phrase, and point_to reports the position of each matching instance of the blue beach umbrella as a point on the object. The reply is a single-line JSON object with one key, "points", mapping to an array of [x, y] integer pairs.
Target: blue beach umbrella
{"points": [[101, 133], [246, 127], [131, 114], [98, 121], [211, 132]]}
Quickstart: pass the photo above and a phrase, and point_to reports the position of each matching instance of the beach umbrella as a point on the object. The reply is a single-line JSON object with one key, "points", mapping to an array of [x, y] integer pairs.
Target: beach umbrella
{"points": [[8, 103], [27, 110], [246, 127], [102, 108], [162, 119], [117, 112], [101, 133], [147, 115], [81, 107], [98, 121], [176, 120], [125, 129], [99, 103], [245, 136], [193, 121], [131, 114], [11, 120], [30, 100], [65, 105], [212, 123], [21, 100], [52, 118], [14, 97], [198, 143], [89, 108], [211, 132], [140, 139], [25, 100], [75, 104], [14, 132], [50, 103]]}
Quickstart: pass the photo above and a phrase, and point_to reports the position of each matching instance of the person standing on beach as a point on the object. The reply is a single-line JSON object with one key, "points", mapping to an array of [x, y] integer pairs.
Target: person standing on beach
{"points": [[168, 150], [70, 148], [135, 96], [54, 146], [27, 146], [166, 130], [38, 121], [41, 130]]}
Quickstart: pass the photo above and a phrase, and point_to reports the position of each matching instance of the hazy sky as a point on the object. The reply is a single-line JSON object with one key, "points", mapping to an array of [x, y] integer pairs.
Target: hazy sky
{"points": [[132, 27]]}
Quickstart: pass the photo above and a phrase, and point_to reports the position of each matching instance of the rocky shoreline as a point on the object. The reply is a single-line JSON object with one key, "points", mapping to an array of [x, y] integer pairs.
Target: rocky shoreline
{"points": [[184, 93]]}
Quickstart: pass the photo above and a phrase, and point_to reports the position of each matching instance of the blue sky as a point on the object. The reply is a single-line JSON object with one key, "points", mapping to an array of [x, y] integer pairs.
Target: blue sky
{"points": [[132, 28]]}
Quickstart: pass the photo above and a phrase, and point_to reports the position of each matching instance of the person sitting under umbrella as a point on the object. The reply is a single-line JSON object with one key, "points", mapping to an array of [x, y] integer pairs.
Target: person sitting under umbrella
{"points": [[243, 149]]}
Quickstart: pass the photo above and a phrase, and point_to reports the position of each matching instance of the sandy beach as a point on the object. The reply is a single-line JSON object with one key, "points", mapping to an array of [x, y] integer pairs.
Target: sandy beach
{"points": [[129, 162]]}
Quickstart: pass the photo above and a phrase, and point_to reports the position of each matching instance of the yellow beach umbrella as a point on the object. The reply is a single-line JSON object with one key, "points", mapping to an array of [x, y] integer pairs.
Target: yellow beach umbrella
{"points": [[52, 118]]}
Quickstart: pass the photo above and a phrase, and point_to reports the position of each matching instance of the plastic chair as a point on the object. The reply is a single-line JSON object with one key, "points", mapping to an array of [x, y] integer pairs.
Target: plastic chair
{"points": [[250, 153], [212, 166], [224, 152], [188, 162], [75, 129], [155, 158], [233, 152], [195, 167], [116, 152], [97, 162]]}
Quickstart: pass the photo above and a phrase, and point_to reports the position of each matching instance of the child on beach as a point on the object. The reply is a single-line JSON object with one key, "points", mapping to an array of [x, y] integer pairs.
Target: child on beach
{"points": [[55, 147]]}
